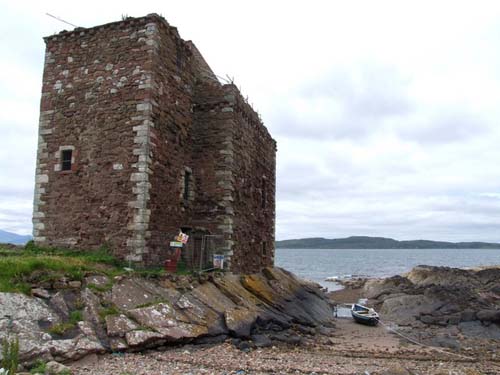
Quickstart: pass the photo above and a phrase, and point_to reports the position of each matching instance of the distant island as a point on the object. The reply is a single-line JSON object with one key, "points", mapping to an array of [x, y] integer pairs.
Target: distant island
{"points": [[364, 242], [13, 238]]}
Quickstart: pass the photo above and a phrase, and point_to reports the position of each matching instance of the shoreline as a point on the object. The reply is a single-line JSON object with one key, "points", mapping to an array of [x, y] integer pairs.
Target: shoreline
{"points": [[440, 349]]}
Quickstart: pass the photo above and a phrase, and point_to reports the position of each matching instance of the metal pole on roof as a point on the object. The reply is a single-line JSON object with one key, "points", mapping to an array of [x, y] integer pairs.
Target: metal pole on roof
{"points": [[60, 19]]}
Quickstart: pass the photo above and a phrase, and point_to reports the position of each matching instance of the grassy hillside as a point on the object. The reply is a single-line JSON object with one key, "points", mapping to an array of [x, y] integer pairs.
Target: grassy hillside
{"points": [[364, 242]]}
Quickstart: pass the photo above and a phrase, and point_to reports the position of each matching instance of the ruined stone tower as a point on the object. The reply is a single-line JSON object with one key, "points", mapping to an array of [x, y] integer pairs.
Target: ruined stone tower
{"points": [[138, 139]]}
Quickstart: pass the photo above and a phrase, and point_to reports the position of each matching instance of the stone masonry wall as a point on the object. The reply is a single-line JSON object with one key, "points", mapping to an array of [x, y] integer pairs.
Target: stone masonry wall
{"points": [[213, 157], [254, 188], [95, 101], [173, 87]]}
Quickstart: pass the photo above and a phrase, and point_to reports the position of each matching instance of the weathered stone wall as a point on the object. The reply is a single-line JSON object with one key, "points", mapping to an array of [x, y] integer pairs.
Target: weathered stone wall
{"points": [[95, 101], [214, 122], [158, 145], [173, 85], [254, 188]]}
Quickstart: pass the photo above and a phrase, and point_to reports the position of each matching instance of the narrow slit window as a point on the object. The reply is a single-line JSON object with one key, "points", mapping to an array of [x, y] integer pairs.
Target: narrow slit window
{"points": [[264, 248], [264, 193], [187, 179], [66, 156]]}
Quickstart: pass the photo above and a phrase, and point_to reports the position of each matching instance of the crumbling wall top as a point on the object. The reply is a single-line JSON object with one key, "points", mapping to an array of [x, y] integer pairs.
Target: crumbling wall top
{"points": [[122, 24]]}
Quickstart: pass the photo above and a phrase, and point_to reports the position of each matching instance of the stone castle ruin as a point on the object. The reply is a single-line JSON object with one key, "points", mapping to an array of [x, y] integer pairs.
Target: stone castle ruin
{"points": [[139, 140]]}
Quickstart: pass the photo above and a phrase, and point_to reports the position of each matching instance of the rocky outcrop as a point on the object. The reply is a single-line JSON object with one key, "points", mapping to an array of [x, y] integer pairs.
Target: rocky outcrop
{"points": [[134, 313], [441, 297]]}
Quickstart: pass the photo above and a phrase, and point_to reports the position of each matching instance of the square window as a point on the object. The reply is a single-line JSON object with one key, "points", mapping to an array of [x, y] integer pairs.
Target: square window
{"points": [[66, 156]]}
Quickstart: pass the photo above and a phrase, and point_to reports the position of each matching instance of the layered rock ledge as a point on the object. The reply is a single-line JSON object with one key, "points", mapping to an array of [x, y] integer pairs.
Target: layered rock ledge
{"points": [[438, 306], [68, 320]]}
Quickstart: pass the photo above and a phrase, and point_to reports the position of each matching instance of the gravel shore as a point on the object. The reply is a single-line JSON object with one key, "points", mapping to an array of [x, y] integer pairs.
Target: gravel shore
{"points": [[382, 353]]}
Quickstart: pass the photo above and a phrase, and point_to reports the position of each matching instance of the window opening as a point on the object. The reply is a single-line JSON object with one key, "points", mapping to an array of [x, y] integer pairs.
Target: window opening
{"points": [[263, 195], [66, 156], [187, 179]]}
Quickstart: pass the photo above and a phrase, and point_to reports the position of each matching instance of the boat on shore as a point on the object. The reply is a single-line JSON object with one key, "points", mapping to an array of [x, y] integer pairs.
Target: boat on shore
{"points": [[364, 315]]}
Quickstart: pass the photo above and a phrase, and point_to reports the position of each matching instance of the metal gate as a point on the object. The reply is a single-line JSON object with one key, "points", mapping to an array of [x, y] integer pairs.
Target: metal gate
{"points": [[199, 256]]}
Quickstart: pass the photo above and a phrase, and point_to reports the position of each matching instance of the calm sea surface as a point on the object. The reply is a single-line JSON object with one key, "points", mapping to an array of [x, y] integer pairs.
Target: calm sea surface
{"points": [[318, 264]]}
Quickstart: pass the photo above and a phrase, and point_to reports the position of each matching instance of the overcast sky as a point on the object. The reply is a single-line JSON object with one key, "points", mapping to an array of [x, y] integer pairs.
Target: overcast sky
{"points": [[386, 113]]}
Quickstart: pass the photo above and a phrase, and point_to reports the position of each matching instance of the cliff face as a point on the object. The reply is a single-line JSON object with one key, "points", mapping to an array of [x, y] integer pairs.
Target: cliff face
{"points": [[68, 321]]}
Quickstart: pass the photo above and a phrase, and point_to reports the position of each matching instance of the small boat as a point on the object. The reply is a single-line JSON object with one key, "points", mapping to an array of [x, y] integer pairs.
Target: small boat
{"points": [[364, 315]]}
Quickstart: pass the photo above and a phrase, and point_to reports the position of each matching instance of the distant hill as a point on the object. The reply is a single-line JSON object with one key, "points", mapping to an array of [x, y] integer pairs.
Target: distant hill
{"points": [[16, 239], [363, 242]]}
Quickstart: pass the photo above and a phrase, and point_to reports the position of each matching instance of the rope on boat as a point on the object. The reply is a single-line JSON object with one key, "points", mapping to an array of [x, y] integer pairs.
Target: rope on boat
{"points": [[424, 345]]}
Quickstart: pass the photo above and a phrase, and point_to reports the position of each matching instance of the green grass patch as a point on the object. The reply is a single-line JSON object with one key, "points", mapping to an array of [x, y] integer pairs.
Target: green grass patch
{"points": [[39, 368], [61, 328], [22, 268], [75, 316], [19, 269], [101, 288], [152, 303], [108, 311]]}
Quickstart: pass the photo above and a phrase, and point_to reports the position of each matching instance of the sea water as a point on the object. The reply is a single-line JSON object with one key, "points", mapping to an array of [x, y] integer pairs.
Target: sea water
{"points": [[319, 264]]}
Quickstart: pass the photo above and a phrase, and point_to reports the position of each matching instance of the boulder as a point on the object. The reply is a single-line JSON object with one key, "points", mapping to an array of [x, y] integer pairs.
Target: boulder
{"points": [[489, 315], [143, 338], [213, 297], [58, 303], [40, 292], [119, 325], [75, 284], [99, 281], [477, 330], [130, 293], [92, 306], [489, 275], [167, 321], [261, 341], [56, 368], [443, 276], [200, 314], [403, 308], [117, 344], [240, 321], [467, 315], [376, 288], [23, 316], [73, 349]]}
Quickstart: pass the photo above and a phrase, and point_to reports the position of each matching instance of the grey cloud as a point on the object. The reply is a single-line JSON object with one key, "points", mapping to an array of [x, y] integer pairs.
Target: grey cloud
{"points": [[355, 103], [369, 90], [453, 125]]}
